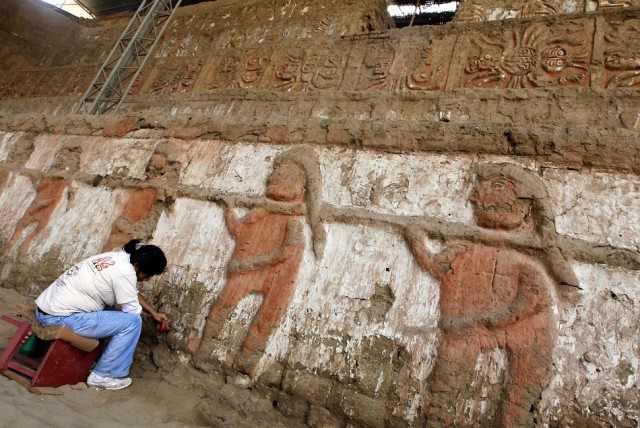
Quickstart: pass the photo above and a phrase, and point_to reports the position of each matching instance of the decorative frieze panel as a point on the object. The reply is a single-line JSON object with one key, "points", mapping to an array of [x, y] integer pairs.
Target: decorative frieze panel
{"points": [[530, 57], [622, 54], [586, 52]]}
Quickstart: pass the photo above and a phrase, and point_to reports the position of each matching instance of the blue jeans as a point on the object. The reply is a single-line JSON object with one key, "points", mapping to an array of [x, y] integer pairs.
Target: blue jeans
{"points": [[123, 328]]}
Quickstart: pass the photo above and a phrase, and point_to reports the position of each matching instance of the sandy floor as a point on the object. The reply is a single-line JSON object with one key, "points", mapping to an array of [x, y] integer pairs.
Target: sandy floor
{"points": [[149, 402], [144, 404]]}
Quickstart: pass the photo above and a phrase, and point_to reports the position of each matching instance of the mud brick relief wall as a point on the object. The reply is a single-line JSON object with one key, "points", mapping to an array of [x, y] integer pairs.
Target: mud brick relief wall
{"points": [[589, 51], [338, 279], [213, 47], [67, 66], [481, 11], [371, 228]]}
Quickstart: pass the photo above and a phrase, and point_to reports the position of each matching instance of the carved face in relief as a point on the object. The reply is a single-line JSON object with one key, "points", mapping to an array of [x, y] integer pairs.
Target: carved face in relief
{"points": [[519, 61], [488, 61], [289, 67], [286, 183], [311, 64], [497, 206], [228, 64], [380, 61]]}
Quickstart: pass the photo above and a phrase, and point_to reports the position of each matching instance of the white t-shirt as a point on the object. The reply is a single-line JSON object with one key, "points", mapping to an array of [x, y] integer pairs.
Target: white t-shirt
{"points": [[91, 285]]}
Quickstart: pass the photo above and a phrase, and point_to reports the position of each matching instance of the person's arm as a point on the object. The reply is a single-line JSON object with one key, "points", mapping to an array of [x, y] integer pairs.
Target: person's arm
{"points": [[293, 244], [529, 300], [425, 258], [435, 264], [230, 219], [157, 316]]}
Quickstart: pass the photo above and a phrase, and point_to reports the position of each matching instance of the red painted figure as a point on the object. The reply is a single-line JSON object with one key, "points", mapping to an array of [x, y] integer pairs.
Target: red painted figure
{"points": [[50, 193], [269, 249], [490, 298]]}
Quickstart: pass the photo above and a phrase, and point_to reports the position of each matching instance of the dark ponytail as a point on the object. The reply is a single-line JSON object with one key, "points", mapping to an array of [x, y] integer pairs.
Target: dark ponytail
{"points": [[150, 259]]}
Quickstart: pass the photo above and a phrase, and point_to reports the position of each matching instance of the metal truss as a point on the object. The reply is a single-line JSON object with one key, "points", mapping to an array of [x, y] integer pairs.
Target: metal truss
{"points": [[127, 58]]}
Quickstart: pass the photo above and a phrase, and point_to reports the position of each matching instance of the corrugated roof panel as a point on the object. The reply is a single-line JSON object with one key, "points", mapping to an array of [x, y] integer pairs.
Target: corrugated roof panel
{"points": [[105, 7]]}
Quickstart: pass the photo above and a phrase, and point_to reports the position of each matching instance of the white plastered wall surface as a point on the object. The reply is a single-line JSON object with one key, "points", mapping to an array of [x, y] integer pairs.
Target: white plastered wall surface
{"points": [[595, 357]]}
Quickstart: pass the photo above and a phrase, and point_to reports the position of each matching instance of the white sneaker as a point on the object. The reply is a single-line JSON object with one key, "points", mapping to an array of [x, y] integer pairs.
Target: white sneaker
{"points": [[103, 382]]}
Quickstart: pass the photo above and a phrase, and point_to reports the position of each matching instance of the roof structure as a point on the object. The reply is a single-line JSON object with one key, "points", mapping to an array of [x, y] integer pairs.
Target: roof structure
{"points": [[424, 12], [420, 12], [101, 8]]}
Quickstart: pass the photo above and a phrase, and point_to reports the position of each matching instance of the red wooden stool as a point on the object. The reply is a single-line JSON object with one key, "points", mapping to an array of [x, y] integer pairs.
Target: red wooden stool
{"points": [[62, 363]]}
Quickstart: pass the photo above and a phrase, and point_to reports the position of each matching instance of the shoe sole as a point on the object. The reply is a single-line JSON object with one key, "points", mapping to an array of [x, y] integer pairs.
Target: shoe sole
{"points": [[103, 388]]}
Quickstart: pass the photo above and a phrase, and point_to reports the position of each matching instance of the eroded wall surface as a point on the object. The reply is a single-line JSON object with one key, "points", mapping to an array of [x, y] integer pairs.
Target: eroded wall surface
{"points": [[300, 47], [365, 326], [372, 227], [481, 11]]}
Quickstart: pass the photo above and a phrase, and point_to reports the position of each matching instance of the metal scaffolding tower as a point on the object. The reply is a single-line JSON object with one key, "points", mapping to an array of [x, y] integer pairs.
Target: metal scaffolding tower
{"points": [[127, 58]]}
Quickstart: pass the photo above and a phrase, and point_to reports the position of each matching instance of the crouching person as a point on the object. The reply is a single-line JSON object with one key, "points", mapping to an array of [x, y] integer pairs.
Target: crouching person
{"points": [[79, 297]]}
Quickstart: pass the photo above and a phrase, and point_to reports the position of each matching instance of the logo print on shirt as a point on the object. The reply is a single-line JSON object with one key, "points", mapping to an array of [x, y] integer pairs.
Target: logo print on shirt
{"points": [[102, 263], [73, 271]]}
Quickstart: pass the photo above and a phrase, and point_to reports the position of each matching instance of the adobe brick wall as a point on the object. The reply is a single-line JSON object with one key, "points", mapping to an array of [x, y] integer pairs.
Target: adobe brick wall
{"points": [[378, 228]]}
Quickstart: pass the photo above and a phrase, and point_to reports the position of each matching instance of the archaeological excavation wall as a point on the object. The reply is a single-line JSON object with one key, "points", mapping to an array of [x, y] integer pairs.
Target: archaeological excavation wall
{"points": [[370, 226]]}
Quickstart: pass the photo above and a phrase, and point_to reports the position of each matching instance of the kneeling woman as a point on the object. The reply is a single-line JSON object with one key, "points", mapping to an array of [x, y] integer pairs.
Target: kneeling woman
{"points": [[79, 297]]}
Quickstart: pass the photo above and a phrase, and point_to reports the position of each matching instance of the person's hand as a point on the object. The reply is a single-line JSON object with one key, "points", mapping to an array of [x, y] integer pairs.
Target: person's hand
{"points": [[162, 322], [227, 203], [159, 316], [412, 232]]}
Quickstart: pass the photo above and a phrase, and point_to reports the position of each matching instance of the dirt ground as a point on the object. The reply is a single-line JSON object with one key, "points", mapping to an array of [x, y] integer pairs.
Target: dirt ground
{"points": [[149, 401]]}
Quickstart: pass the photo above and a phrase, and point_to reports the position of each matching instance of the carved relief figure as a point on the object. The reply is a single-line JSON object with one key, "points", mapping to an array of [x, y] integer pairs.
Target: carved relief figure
{"points": [[269, 248], [534, 8], [485, 69], [223, 76], [164, 81], [492, 297], [388, 72], [177, 80], [252, 73], [321, 71], [426, 76], [325, 27], [189, 74], [287, 76], [232, 72], [379, 62], [622, 55], [626, 66], [50, 193], [612, 4], [309, 70], [533, 58], [468, 12]]}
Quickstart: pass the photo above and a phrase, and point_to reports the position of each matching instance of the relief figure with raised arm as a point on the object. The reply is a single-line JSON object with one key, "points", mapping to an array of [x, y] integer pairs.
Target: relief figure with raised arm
{"points": [[492, 297]]}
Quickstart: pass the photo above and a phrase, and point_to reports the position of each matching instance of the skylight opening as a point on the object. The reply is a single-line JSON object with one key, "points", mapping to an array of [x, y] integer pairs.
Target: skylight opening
{"points": [[71, 7], [428, 13]]}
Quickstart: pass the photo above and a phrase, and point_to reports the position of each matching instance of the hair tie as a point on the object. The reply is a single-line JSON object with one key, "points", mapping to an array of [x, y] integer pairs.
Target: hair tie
{"points": [[139, 245]]}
